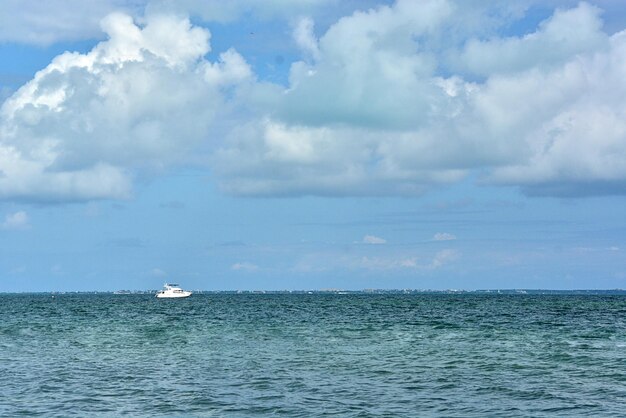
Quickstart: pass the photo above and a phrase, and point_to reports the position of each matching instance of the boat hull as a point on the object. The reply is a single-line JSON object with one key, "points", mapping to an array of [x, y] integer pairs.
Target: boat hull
{"points": [[172, 291], [173, 296]]}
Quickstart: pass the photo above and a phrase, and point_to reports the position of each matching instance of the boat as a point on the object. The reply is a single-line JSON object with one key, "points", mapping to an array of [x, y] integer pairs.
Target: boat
{"points": [[172, 290]]}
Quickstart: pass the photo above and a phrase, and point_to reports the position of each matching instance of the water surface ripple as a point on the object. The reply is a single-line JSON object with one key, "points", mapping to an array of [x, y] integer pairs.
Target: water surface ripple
{"points": [[313, 355]]}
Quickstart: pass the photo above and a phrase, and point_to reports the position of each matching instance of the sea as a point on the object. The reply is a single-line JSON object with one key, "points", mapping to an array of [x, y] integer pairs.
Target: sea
{"points": [[313, 355]]}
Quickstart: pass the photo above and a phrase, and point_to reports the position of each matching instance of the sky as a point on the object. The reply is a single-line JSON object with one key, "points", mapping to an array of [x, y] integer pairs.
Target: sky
{"points": [[312, 144]]}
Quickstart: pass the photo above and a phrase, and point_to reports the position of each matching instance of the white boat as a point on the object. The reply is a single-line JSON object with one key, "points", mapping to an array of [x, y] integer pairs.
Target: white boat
{"points": [[172, 291]]}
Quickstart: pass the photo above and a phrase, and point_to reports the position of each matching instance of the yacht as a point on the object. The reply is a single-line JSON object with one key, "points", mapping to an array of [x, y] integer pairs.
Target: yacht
{"points": [[172, 290]]}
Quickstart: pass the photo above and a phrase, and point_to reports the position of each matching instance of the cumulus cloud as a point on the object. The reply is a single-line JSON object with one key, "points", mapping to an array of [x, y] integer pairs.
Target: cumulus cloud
{"points": [[392, 100], [579, 143], [16, 221], [305, 37], [141, 100], [552, 44], [444, 236], [272, 158], [372, 239], [369, 72], [374, 114]]}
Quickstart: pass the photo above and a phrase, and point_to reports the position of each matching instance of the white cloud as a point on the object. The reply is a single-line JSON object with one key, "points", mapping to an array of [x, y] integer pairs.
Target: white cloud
{"points": [[444, 236], [140, 101], [231, 69], [305, 37], [244, 266], [389, 101], [16, 221], [270, 158], [371, 239], [368, 72], [374, 116], [552, 44], [578, 144]]}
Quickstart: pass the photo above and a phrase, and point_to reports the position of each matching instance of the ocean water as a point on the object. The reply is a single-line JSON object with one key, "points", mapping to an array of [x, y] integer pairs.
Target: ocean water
{"points": [[313, 355]]}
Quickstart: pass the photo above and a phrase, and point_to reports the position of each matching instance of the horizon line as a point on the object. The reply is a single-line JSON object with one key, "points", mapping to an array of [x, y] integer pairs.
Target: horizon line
{"points": [[305, 291]]}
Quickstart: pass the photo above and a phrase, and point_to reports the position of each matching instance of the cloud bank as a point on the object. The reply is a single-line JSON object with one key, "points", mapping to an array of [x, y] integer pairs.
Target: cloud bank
{"points": [[393, 100], [372, 112]]}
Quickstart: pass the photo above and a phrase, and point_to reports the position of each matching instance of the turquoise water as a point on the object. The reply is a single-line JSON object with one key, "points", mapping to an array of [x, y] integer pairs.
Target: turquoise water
{"points": [[313, 355]]}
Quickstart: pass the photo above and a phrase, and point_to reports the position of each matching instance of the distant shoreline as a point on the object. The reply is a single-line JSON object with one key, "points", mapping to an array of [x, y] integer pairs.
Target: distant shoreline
{"points": [[349, 292]]}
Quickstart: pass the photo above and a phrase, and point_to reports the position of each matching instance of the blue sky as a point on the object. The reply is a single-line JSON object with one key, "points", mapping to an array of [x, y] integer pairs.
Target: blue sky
{"points": [[312, 144]]}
